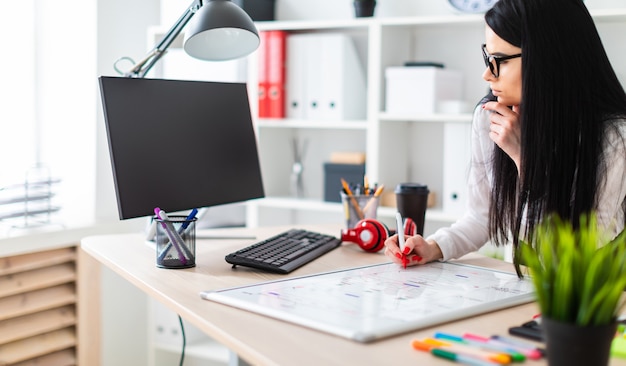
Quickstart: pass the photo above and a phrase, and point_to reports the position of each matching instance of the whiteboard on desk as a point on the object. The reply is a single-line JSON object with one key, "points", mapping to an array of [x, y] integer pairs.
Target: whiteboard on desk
{"points": [[377, 301]]}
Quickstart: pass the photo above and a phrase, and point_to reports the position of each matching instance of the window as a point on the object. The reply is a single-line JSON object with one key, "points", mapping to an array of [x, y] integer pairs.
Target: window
{"points": [[48, 91]]}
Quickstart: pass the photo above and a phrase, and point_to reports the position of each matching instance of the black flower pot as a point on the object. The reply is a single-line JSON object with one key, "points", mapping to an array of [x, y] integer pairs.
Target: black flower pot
{"points": [[364, 8], [572, 345]]}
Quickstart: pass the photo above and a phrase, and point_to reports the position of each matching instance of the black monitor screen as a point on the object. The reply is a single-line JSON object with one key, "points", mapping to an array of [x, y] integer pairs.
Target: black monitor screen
{"points": [[179, 144]]}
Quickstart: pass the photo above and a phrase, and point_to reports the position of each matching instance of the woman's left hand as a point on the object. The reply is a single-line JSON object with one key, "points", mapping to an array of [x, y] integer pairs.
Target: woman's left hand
{"points": [[505, 129]]}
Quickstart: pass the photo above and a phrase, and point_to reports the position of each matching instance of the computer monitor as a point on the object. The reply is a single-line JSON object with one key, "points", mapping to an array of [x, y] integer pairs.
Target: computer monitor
{"points": [[179, 145]]}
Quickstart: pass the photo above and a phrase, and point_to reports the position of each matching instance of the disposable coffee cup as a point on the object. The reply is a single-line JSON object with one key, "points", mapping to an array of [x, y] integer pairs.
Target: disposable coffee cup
{"points": [[411, 201]]}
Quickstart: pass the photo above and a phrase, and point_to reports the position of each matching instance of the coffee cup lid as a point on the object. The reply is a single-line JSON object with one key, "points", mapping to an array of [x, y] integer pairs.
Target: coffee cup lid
{"points": [[405, 188]]}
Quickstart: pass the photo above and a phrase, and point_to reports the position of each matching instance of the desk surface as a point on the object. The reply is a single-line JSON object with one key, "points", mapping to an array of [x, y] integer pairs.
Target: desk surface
{"points": [[262, 340]]}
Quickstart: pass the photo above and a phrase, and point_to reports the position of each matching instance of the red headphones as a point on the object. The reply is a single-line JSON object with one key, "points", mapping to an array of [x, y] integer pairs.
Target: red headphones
{"points": [[370, 234]]}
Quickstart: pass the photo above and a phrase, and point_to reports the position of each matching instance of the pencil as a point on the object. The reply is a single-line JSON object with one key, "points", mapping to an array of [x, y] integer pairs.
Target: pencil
{"points": [[355, 204], [366, 186], [371, 201]]}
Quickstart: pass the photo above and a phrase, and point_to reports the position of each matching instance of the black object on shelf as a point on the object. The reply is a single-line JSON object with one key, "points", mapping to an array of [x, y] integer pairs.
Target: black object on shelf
{"points": [[364, 8], [424, 64], [258, 10], [333, 173]]}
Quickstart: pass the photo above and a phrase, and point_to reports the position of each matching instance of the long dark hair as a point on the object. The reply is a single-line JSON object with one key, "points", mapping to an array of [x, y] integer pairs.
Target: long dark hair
{"points": [[570, 97]]}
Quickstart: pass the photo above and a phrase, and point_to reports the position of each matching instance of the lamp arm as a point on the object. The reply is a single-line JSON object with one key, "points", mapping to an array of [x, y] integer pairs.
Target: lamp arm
{"points": [[141, 68]]}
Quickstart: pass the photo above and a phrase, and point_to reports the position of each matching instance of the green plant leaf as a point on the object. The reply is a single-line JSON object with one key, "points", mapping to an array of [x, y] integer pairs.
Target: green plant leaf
{"points": [[575, 281]]}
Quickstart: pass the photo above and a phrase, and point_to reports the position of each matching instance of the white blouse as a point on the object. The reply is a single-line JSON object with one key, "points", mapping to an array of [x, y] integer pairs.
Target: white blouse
{"points": [[470, 232]]}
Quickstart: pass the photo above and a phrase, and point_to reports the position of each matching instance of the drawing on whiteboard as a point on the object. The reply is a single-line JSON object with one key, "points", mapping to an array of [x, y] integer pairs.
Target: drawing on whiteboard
{"points": [[373, 302]]}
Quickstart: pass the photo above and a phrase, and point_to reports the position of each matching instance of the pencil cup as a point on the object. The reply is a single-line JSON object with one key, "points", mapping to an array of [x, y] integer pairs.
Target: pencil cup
{"points": [[412, 199], [359, 207], [176, 242]]}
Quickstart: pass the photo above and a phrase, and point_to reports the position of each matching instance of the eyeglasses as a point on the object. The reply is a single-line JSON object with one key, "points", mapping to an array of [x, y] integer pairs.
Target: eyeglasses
{"points": [[493, 61]]}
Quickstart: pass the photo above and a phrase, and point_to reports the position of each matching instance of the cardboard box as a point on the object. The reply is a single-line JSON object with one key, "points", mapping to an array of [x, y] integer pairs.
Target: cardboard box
{"points": [[352, 173], [417, 90]]}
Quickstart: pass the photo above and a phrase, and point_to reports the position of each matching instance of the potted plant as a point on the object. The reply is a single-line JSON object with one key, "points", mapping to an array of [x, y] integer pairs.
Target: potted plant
{"points": [[578, 287], [364, 8]]}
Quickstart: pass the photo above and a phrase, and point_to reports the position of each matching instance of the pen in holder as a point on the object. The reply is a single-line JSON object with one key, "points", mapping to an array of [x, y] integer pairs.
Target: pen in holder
{"points": [[359, 207], [176, 242]]}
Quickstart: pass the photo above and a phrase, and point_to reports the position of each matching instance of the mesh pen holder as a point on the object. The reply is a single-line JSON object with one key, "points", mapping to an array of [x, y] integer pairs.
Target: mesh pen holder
{"points": [[176, 242]]}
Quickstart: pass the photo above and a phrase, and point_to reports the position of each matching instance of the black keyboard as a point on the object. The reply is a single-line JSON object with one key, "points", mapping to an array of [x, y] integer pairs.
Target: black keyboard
{"points": [[284, 252]]}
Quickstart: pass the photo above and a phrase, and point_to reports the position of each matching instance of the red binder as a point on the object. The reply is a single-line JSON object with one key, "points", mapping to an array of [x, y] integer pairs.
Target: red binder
{"points": [[276, 46], [263, 74]]}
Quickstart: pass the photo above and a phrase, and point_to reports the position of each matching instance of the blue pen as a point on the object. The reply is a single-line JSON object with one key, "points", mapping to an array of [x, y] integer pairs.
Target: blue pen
{"points": [[190, 217]]}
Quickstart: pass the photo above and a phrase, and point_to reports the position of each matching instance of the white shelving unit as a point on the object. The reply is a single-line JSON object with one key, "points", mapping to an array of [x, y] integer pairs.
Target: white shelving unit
{"points": [[399, 148]]}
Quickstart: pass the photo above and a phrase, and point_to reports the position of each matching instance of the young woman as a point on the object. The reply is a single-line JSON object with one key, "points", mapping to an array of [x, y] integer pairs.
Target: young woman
{"points": [[549, 139]]}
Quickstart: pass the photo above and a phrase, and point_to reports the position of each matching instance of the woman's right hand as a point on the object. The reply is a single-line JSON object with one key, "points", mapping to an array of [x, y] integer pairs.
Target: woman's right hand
{"points": [[417, 250], [505, 129]]}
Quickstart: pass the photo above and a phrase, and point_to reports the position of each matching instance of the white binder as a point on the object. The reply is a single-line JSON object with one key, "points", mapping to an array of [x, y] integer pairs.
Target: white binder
{"points": [[456, 157], [325, 76], [296, 71], [343, 79], [314, 76]]}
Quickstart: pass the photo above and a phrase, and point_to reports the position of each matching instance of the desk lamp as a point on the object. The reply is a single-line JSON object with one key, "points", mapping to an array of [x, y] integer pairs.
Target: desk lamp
{"points": [[222, 31]]}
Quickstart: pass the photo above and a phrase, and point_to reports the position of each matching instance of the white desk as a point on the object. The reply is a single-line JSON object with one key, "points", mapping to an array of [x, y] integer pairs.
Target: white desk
{"points": [[261, 340]]}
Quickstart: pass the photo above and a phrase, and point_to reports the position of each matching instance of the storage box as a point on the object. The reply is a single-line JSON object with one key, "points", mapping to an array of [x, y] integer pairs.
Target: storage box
{"points": [[417, 90], [352, 173]]}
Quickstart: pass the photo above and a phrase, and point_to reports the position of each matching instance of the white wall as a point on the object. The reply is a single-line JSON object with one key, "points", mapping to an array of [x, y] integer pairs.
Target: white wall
{"points": [[121, 32]]}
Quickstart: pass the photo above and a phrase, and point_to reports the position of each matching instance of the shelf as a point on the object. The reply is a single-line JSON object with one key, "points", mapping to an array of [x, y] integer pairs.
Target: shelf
{"points": [[206, 349], [312, 124], [616, 14], [294, 25], [464, 117], [597, 14], [432, 214], [608, 14]]}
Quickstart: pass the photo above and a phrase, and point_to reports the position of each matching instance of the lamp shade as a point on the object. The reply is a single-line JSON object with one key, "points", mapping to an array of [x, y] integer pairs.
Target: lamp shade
{"points": [[220, 31]]}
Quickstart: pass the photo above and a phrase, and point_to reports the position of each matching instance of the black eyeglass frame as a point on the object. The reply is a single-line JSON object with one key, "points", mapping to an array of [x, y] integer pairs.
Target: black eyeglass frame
{"points": [[487, 57]]}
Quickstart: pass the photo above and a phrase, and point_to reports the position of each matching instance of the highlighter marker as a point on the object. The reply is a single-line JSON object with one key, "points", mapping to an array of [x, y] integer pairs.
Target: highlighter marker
{"points": [[459, 358], [400, 232], [458, 348], [514, 355], [175, 238]]}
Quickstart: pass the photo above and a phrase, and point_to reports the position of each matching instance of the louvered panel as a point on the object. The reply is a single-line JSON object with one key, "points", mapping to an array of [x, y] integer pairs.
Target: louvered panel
{"points": [[66, 357], [30, 261], [38, 323], [37, 279], [31, 302], [38, 317], [29, 348]]}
